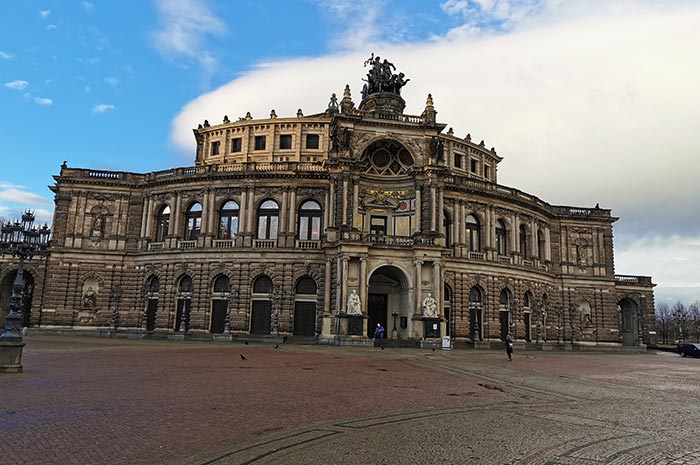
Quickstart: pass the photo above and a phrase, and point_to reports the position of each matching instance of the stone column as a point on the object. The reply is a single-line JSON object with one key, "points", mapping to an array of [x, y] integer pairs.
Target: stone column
{"points": [[345, 202], [355, 202], [204, 226], [331, 204], [417, 225], [291, 228], [283, 214], [213, 227], [363, 284], [533, 239], [326, 210], [177, 214], [243, 212], [339, 289], [433, 206], [487, 228], [419, 288], [344, 282], [436, 287], [148, 223], [441, 210], [327, 289], [514, 233], [251, 210], [547, 245]]}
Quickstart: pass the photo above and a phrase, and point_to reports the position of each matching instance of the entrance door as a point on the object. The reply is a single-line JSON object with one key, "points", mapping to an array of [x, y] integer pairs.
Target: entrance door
{"points": [[182, 305], [261, 317], [218, 315], [505, 324], [376, 312], [304, 318], [151, 310]]}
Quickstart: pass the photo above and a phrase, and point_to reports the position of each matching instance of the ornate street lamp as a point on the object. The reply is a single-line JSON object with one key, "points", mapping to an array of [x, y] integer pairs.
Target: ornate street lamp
{"points": [[473, 309], [511, 323], [539, 310], [21, 240], [572, 322], [560, 324], [115, 295]]}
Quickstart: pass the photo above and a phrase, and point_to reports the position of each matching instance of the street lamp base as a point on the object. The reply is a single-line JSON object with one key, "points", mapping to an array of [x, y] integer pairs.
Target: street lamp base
{"points": [[11, 356]]}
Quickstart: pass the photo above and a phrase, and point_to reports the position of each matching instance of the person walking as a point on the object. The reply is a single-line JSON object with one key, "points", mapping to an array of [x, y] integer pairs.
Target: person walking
{"points": [[509, 347], [379, 335]]}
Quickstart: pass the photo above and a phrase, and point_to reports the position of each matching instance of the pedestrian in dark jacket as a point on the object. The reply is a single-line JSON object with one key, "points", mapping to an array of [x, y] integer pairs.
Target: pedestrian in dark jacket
{"points": [[379, 335], [509, 347]]}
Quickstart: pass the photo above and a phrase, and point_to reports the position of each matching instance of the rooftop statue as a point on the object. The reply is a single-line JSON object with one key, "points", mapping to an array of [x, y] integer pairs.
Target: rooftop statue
{"points": [[380, 77]]}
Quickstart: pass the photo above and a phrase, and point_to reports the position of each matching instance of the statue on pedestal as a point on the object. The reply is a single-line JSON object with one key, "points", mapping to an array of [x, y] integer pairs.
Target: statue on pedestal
{"points": [[430, 307], [354, 305]]}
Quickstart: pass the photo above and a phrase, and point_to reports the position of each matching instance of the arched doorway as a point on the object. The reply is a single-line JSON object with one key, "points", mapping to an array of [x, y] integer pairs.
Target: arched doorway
{"points": [[388, 302], [220, 304], [305, 307], [504, 313], [27, 293], [261, 313], [628, 321]]}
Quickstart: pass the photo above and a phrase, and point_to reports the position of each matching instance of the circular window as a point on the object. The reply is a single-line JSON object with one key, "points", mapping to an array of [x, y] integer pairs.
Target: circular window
{"points": [[381, 158], [405, 158]]}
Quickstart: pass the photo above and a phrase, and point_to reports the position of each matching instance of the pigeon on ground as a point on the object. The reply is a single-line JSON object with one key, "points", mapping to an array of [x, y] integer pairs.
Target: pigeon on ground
{"points": [[243, 357], [276, 346], [245, 342], [433, 349]]}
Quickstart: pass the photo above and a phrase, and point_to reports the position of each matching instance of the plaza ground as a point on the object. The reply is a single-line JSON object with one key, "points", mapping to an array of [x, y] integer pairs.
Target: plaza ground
{"points": [[102, 401]]}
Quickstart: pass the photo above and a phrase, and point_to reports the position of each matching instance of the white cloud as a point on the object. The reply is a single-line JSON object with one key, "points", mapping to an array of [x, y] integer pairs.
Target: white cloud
{"points": [[5, 55], [43, 101], [51, 27], [359, 22], [185, 27], [101, 108], [87, 6], [14, 199], [44, 13], [112, 81], [17, 85]]}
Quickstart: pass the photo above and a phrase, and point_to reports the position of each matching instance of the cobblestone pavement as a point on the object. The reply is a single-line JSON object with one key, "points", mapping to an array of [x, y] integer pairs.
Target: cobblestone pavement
{"points": [[104, 401]]}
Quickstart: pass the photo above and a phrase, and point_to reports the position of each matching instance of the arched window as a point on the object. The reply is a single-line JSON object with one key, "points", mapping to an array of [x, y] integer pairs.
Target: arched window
{"points": [[194, 221], [446, 223], [185, 286], [501, 237], [153, 287], [527, 300], [262, 285], [475, 294], [473, 233], [162, 223], [523, 241], [504, 298], [228, 220], [310, 221], [268, 220], [540, 245], [306, 286], [222, 285]]}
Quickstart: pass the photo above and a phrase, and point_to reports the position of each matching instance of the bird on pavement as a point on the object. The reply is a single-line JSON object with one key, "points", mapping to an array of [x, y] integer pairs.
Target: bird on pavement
{"points": [[245, 342], [243, 357], [276, 346]]}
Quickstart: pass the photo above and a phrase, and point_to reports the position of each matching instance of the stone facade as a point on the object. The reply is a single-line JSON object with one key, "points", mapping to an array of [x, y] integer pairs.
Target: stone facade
{"points": [[281, 219]]}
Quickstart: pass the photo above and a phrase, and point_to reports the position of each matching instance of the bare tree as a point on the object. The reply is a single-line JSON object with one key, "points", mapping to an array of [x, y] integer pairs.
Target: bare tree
{"points": [[680, 321], [664, 321], [694, 316]]}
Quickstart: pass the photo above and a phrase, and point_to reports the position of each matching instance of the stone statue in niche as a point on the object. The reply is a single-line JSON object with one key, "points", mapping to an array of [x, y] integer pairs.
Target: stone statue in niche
{"points": [[90, 297], [430, 307], [98, 226], [581, 253], [354, 305]]}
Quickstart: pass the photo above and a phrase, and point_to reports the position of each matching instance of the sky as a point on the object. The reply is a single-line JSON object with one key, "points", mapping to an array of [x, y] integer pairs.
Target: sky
{"points": [[588, 101]]}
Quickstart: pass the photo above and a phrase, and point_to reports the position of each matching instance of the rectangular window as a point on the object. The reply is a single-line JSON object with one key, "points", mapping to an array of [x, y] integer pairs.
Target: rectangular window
{"points": [[215, 147], [312, 141], [487, 172], [458, 160], [377, 225], [285, 141], [260, 142], [474, 166], [236, 144]]}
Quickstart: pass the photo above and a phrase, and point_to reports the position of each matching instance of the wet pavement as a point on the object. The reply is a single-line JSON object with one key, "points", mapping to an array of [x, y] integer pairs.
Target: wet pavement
{"points": [[105, 401]]}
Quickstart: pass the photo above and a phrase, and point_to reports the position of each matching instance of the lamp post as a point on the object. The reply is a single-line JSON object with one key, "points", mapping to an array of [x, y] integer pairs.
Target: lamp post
{"points": [[511, 323], [572, 322], [679, 319], [394, 332], [277, 296], [560, 327], [473, 310], [21, 240], [539, 310], [115, 295]]}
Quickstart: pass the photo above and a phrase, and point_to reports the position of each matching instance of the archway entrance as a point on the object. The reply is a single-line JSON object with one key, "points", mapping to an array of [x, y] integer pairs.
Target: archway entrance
{"points": [[628, 321], [388, 303], [6, 293]]}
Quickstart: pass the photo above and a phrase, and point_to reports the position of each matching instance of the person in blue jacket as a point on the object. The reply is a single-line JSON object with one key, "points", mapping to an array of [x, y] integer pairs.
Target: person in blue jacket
{"points": [[379, 335]]}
